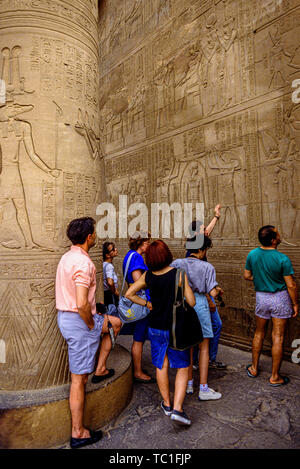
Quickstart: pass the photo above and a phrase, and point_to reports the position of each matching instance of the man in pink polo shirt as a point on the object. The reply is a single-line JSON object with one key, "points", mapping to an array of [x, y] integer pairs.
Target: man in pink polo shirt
{"points": [[79, 323]]}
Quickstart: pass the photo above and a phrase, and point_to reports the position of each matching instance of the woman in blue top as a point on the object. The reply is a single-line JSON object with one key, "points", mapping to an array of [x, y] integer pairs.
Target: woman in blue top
{"points": [[138, 245]]}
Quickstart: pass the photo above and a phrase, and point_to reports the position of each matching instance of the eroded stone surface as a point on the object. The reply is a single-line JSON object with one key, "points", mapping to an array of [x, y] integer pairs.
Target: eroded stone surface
{"points": [[250, 414]]}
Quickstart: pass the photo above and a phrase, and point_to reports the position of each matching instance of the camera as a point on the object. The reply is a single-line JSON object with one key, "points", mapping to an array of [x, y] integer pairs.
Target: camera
{"points": [[220, 300]]}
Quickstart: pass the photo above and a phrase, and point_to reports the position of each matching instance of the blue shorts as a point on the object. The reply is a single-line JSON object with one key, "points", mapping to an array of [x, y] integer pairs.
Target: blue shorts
{"points": [[82, 342], [139, 329], [160, 347], [202, 309]]}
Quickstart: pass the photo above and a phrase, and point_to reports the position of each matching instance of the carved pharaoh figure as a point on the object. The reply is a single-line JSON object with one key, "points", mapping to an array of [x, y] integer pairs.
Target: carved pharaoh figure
{"points": [[164, 80], [136, 109], [230, 183], [211, 66], [194, 188], [134, 18], [189, 81], [230, 52], [277, 63], [96, 152], [13, 132]]}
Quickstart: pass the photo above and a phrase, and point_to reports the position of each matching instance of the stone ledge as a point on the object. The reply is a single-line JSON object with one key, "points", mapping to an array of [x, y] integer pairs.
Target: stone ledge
{"points": [[41, 419]]}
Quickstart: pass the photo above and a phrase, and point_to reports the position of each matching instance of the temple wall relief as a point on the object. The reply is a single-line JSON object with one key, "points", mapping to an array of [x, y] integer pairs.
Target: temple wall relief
{"points": [[197, 97]]}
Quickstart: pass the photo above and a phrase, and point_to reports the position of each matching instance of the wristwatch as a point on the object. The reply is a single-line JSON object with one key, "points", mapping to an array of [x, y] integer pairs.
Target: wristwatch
{"points": [[216, 216]]}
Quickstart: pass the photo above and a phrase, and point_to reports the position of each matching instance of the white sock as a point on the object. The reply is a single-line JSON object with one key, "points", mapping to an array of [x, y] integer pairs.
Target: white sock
{"points": [[203, 387], [191, 382]]}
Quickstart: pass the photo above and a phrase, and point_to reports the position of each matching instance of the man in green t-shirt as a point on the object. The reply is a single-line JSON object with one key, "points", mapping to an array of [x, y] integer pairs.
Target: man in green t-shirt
{"points": [[276, 297]]}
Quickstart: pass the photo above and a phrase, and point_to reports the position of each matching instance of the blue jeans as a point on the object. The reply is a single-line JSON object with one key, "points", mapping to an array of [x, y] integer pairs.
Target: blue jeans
{"points": [[214, 342], [202, 309], [216, 323]]}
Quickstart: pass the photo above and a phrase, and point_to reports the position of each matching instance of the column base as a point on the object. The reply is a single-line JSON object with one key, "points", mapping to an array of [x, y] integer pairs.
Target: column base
{"points": [[42, 419]]}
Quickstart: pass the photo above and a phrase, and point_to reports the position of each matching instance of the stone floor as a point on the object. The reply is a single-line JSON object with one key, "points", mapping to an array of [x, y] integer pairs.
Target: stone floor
{"points": [[251, 414]]}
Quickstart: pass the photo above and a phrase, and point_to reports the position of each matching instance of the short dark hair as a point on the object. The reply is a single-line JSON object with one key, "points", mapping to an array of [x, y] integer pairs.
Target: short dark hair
{"points": [[105, 248], [79, 229], [266, 234], [138, 238], [158, 255], [207, 243]]}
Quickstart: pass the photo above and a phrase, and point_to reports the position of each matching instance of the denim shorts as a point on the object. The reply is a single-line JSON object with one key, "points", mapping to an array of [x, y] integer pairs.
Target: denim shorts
{"points": [[160, 347], [202, 309], [82, 342], [275, 305]]}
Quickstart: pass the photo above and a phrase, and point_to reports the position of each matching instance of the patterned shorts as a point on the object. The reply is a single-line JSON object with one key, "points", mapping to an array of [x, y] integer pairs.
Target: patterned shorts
{"points": [[275, 305]]}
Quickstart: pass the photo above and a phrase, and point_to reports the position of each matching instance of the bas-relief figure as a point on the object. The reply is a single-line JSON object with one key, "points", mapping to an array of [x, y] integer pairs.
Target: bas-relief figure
{"points": [[280, 177], [231, 191], [15, 132], [136, 109], [134, 18], [85, 128], [164, 83]]}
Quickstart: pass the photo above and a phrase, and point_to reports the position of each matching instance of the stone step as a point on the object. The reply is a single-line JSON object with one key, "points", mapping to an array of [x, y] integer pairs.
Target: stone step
{"points": [[41, 418]]}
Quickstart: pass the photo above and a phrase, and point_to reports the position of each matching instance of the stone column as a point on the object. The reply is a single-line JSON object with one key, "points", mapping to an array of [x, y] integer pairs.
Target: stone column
{"points": [[50, 173]]}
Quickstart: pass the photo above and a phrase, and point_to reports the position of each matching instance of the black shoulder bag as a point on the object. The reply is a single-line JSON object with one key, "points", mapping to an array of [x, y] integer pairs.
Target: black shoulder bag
{"points": [[186, 328]]}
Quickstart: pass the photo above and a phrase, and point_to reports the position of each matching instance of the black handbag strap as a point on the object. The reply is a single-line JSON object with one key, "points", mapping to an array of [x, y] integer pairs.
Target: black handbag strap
{"points": [[183, 274], [176, 284], [180, 273]]}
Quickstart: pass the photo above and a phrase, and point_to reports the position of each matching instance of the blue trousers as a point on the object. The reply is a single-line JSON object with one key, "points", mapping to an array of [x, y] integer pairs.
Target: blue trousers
{"points": [[214, 341]]}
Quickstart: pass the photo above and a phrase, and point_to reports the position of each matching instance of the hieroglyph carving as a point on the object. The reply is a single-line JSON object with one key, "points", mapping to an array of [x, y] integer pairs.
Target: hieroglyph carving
{"points": [[65, 71]]}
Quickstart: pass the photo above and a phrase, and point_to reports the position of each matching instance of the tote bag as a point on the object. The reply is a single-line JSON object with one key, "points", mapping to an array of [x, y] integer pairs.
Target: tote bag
{"points": [[186, 329], [127, 310]]}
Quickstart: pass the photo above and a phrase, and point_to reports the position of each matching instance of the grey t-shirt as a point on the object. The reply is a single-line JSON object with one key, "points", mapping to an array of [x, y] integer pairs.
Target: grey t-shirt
{"points": [[201, 275]]}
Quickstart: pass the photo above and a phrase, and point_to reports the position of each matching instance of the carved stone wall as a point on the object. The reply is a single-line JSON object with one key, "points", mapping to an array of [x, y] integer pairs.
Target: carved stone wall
{"points": [[196, 105], [51, 172]]}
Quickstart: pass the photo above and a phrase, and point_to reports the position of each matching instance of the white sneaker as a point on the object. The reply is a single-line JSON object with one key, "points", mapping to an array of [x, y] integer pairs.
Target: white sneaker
{"points": [[189, 389], [208, 395]]}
